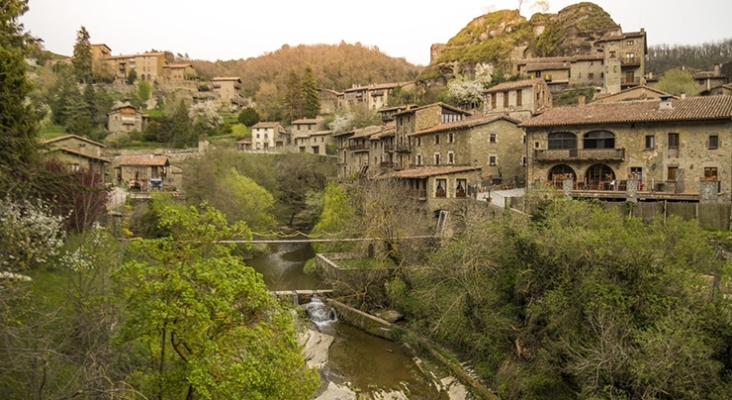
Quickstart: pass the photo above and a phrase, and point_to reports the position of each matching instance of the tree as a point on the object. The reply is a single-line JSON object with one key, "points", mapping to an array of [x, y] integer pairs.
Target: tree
{"points": [[292, 102], [242, 199], [309, 94], [131, 77], [205, 321], [144, 89], [465, 93], [18, 121], [677, 82], [249, 117], [269, 102], [82, 61], [205, 114]]}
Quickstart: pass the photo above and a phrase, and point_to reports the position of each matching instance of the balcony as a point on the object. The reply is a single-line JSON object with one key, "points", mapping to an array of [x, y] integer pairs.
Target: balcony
{"points": [[403, 148], [358, 147], [580, 155], [630, 81], [630, 61], [386, 164]]}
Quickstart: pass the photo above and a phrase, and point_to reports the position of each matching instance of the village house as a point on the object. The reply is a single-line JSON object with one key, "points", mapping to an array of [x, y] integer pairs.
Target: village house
{"points": [[634, 93], [125, 117], [314, 143], [493, 143], [227, 90], [382, 149], [328, 100], [708, 83], [100, 67], [416, 119], [373, 97], [519, 100], [244, 145], [269, 136], [145, 172], [387, 113], [77, 152], [672, 149], [555, 71], [178, 72], [344, 164], [147, 66], [625, 55]]}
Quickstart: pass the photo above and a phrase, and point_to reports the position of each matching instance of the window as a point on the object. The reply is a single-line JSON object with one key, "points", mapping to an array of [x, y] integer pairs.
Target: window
{"points": [[562, 141], [460, 187], [437, 158], [599, 140], [505, 99], [437, 139], [492, 138], [298, 127], [450, 157], [713, 142], [637, 173], [450, 137], [629, 42], [673, 141], [440, 188], [523, 139], [590, 76], [419, 159], [612, 54], [710, 173], [671, 173], [518, 97], [650, 142], [419, 140], [492, 161], [310, 127], [523, 160], [493, 100]]}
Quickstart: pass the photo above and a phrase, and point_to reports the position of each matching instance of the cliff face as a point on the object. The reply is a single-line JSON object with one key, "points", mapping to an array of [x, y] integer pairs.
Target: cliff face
{"points": [[500, 38]]}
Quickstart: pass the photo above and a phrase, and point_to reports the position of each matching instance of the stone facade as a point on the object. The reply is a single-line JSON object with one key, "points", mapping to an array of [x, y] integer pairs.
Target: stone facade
{"points": [[77, 153], [142, 169], [668, 146], [268, 136], [519, 100], [126, 118], [227, 89], [313, 143], [634, 93], [148, 66], [372, 97]]}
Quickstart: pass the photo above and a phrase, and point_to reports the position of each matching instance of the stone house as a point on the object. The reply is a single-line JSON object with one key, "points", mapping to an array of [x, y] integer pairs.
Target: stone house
{"points": [[726, 90], [148, 66], [519, 100], [178, 72], [77, 152], [144, 168], [269, 136], [555, 71], [493, 143], [416, 119], [344, 161], [381, 153], [373, 97], [314, 143], [634, 93], [669, 147], [244, 145], [624, 54], [328, 100], [100, 66], [438, 187], [227, 88], [124, 117], [709, 82]]}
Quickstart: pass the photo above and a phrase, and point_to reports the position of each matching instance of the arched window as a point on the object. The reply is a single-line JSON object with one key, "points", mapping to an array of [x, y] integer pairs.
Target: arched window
{"points": [[562, 141], [560, 172], [599, 140]]}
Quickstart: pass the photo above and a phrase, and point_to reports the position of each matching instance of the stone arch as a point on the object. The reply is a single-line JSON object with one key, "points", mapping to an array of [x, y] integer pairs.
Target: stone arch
{"points": [[599, 174], [598, 140], [562, 141], [558, 173]]}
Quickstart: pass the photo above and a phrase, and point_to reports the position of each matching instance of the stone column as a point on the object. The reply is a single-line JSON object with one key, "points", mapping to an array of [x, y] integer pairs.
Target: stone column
{"points": [[708, 191], [631, 190], [567, 186]]}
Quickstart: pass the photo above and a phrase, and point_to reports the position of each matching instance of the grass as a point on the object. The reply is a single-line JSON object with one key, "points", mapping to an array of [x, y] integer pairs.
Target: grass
{"points": [[52, 131]]}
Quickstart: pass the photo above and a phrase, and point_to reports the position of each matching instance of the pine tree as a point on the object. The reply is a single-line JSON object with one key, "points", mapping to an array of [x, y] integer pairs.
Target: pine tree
{"points": [[82, 56], [293, 98], [18, 122], [309, 93]]}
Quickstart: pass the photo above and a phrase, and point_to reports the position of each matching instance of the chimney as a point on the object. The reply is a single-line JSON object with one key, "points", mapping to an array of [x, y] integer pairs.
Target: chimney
{"points": [[683, 96], [717, 69], [665, 102], [581, 100]]}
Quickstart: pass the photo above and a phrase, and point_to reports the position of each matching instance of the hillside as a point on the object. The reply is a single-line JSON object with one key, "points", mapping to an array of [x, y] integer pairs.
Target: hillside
{"points": [[499, 37], [336, 67]]}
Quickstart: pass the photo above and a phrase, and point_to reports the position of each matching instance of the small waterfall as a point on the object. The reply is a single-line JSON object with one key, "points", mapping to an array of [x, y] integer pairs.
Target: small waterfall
{"points": [[319, 312]]}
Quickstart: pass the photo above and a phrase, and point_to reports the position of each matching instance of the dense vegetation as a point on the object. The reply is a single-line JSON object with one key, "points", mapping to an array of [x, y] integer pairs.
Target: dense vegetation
{"points": [[336, 67], [663, 57]]}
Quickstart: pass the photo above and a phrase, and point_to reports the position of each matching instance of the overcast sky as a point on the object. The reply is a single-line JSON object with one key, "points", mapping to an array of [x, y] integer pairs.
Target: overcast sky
{"points": [[233, 29]]}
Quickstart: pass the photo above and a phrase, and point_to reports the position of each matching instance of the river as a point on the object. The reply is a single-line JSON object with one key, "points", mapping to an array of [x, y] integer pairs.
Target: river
{"points": [[356, 360]]}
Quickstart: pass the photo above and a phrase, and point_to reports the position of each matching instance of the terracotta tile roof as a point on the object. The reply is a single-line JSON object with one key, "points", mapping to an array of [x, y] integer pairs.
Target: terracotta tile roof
{"points": [[690, 109], [443, 105], [396, 108], [378, 86], [367, 131], [152, 161], [177, 66], [642, 89], [331, 91], [244, 141], [425, 172], [65, 137], [543, 60], [321, 133], [386, 131], [708, 75], [266, 125], [543, 66], [727, 86], [80, 154], [306, 121], [226, 78], [464, 124], [514, 85]]}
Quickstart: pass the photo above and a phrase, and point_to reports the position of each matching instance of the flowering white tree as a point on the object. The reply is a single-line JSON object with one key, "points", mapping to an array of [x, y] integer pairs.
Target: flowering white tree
{"points": [[30, 234], [342, 122], [464, 92], [205, 114]]}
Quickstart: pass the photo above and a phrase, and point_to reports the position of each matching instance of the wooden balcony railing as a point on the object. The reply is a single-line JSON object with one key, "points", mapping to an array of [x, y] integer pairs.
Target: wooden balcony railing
{"points": [[357, 147], [630, 61], [580, 155], [403, 147]]}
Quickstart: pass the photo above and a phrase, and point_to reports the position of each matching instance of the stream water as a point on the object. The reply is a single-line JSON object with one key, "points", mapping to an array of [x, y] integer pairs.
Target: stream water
{"points": [[355, 358]]}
